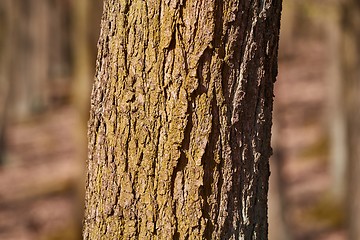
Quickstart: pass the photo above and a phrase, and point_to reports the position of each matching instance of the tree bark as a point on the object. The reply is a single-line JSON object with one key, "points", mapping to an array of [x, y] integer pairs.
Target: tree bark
{"points": [[180, 120]]}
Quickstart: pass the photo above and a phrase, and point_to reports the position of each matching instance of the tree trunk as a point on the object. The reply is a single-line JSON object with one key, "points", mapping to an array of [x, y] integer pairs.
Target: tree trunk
{"points": [[5, 8], [336, 114], [83, 75], [180, 120], [351, 74], [288, 23]]}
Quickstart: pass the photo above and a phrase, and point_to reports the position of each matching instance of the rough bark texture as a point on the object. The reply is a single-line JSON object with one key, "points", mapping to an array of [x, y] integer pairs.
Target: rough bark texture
{"points": [[180, 122]]}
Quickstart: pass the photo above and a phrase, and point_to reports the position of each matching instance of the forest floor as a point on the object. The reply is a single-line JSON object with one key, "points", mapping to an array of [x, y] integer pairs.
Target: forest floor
{"points": [[40, 179], [39, 182]]}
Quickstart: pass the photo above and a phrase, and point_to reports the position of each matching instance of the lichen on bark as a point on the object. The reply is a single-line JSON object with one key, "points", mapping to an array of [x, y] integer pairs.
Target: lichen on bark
{"points": [[180, 121]]}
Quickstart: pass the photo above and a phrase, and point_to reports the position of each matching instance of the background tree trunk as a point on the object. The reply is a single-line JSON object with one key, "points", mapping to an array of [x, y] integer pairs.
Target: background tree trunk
{"points": [[180, 123], [83, 13], [351, 73], [5, 8], [288, 23], [338, 149]]}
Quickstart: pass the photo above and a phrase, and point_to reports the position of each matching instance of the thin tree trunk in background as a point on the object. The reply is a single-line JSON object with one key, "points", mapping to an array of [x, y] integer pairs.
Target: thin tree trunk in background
{"points": [[5, 9], [288, 20], [82, 77], [279, 228], [336, 112], [83, 74], [95, 12], [39, 59], [60, 63], [180, 120], [351, 71], [29, 60], [19, 54]]}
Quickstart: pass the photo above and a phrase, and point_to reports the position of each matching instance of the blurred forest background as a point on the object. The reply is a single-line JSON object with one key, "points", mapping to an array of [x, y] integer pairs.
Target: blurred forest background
{"points": [[47, 63]]}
